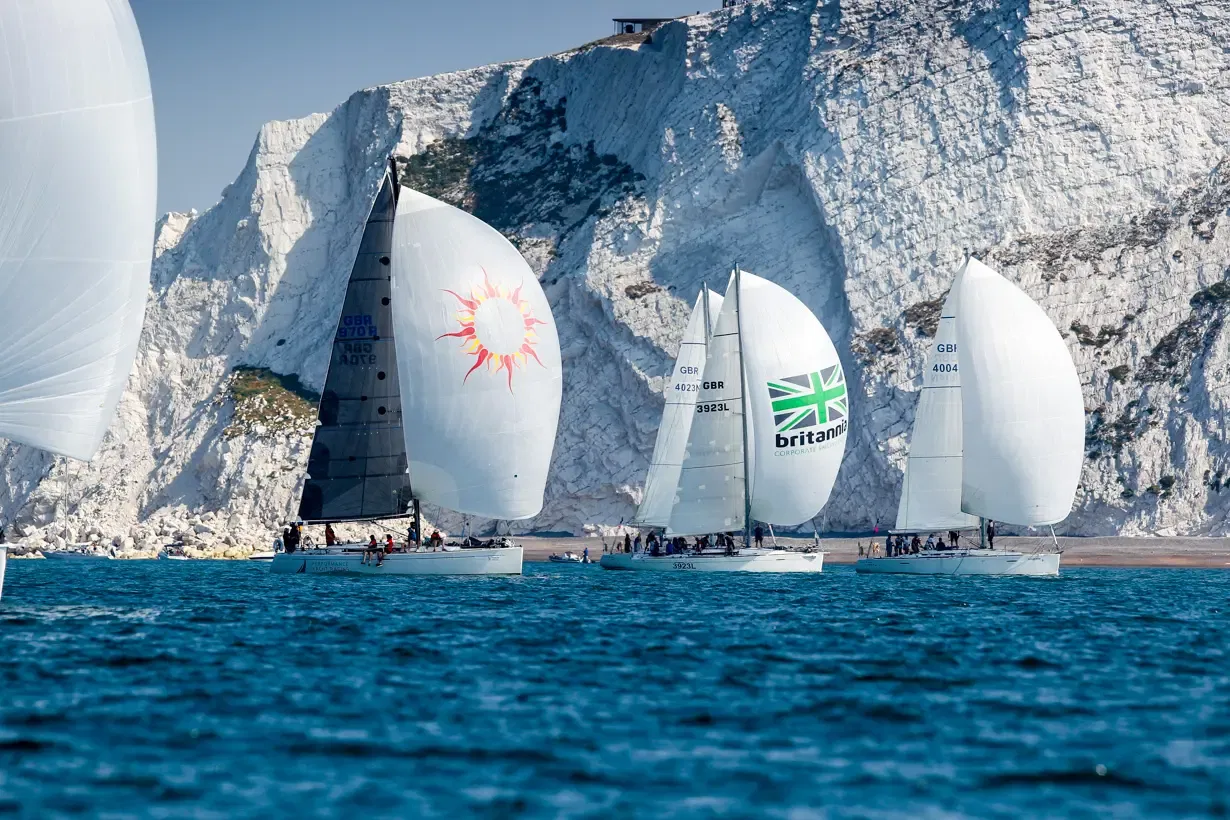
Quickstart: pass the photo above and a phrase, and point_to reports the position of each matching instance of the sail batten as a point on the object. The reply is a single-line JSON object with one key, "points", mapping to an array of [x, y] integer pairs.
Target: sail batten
{"points": [[76, 238], [357, 466]]}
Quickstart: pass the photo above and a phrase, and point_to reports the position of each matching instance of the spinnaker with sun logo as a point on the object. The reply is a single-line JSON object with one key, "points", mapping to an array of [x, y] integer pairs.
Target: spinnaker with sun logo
{"points": [[479, 361], [357, 466]]}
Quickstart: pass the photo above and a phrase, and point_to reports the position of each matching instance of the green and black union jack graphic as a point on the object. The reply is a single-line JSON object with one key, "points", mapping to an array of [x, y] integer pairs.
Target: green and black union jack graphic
{"points": [[809, 400]]}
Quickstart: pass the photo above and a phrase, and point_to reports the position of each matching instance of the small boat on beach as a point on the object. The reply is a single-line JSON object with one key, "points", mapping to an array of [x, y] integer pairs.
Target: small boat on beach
{"points": [[754, 429], [568, 557], [443, 387], [998, 433]]}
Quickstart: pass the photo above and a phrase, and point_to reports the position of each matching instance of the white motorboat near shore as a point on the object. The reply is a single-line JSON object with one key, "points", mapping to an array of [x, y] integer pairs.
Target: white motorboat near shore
{"points": [[568, 557], [75, 555], [747, 560], [348, 559], [964, 562]]}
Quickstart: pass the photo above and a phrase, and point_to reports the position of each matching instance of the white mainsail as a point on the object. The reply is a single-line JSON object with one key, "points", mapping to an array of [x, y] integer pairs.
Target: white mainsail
{"points": [[677, 415], [710, 496], [76, 234], [1023, 415], [798, 400], [931, 487], [479, 363]]}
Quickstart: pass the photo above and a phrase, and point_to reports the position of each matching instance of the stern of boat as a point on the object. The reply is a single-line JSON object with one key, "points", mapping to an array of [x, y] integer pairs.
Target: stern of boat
{"points": [[4, 556]]}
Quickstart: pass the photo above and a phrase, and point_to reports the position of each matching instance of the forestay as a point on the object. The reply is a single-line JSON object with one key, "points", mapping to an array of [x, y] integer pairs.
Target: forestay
{"points": [[479, 361], [78, 182], [677, 415], [798, 400], [357, 466], [1023, 417], [710, 497], [931, 487]]}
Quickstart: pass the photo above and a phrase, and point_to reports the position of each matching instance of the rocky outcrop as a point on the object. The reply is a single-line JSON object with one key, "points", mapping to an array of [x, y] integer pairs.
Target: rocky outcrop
{"points": [[849, 151]]}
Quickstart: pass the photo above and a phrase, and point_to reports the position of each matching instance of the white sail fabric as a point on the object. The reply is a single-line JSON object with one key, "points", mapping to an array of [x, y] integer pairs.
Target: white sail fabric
{"points": [[931, 487], [798, 400], [479, 363], [677, 415], [78, 184], [1023, 415], [711, 496]]}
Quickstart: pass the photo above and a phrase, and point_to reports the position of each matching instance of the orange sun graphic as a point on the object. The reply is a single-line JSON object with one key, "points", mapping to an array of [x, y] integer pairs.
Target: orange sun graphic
{"points": [[497, 329]]}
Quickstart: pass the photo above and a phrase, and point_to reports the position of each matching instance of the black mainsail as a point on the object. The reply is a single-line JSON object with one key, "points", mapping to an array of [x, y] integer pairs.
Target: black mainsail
{"points": [[357, 469]]}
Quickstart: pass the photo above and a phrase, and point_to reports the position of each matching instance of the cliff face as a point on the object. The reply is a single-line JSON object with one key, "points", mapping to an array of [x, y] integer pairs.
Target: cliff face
{"points": [[849, 152]]}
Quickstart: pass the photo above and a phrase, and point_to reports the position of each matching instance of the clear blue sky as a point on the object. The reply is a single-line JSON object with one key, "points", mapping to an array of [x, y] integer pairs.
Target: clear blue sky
{"points": [[221, 68]]}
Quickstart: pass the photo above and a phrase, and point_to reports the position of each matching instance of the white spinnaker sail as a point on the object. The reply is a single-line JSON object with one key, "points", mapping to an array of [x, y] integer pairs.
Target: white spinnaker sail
{"points": [[479, 362], [78, 185], [677, 415], [1023, 415], [931, 487], [710, 497], [798, 400]]}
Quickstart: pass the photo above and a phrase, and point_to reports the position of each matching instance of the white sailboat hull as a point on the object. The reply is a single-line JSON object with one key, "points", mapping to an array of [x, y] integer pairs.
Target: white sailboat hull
{"points": [[348, 560], [964, 562], [745, 561], [4, 557]]}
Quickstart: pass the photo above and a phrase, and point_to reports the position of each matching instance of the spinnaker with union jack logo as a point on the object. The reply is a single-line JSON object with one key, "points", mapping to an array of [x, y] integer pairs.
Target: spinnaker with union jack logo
{"points": [[767, 436]]}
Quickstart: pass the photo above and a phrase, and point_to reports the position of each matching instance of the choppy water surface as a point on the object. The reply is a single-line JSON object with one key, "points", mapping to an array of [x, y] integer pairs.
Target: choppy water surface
{"points": [[215, 689]]}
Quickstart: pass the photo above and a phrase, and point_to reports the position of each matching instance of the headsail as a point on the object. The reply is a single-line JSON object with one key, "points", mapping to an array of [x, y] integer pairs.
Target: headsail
{"points": [[677, 415], [479, 357], [710, 496], [798, 400], [931, 488], [357, 467], [76, 237], [1023, 415]]}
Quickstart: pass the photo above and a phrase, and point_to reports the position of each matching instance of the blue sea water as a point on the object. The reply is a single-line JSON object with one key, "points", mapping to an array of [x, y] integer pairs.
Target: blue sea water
{"points": [[200, 689]]}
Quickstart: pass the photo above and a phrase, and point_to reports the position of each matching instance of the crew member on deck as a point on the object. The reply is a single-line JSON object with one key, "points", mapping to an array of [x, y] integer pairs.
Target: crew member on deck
{"points": [[991, 534], [759, 536], [330, 536]]}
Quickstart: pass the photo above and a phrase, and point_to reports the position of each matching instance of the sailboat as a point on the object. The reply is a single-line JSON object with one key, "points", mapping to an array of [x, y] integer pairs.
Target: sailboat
{"points": [[766, 437], [998, 435], [77, 237], [444, 387]]}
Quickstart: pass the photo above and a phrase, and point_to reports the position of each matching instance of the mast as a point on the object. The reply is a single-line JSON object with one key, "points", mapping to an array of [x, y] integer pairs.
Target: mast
{"points": [[418, 524], [704, 295], [747, 495]]}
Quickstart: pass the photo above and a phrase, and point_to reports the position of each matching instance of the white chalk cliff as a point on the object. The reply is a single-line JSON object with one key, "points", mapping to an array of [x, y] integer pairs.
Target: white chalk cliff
{"points": [[849, 151]]}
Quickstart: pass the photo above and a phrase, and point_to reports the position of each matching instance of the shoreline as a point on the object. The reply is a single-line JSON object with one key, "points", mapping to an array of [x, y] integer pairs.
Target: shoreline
{"points": [[1111, 551]]}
